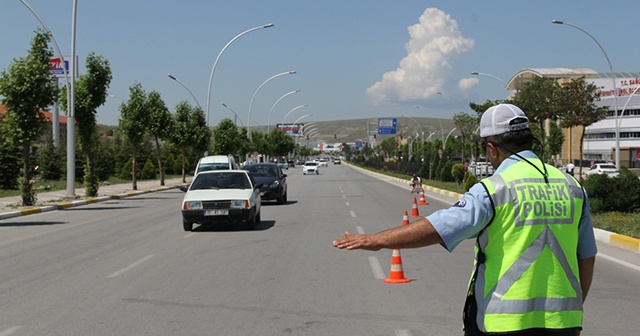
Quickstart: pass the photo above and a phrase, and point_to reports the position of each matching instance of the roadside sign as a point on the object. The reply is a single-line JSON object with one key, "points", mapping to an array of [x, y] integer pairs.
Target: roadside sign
{"points": [[387, 125], [56, 66]]}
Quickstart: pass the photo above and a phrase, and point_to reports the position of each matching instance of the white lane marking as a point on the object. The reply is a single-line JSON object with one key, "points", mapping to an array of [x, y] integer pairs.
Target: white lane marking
{"points": [[347, 203], [376, 268], [403, 332], [360, 229], [10, 331], [353, 214], [130, 267], [618, 261]]}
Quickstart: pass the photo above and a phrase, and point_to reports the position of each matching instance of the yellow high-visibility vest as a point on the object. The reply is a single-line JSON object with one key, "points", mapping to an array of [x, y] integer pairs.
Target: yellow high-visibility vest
{"points": [[527, 265]]}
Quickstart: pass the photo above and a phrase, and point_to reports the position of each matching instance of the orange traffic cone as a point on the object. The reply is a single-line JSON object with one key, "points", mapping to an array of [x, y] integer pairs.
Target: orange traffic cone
{"points": [[414, 209], [405, 218], [397, 274], [422, 200]]}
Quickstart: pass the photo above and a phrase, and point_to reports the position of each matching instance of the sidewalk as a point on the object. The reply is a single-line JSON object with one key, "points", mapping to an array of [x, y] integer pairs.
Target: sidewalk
{"points": [[54, 200]]}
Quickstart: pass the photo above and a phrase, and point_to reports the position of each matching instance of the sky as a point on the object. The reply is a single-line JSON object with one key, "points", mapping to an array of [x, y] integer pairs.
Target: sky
{"points": [[352, 59]]}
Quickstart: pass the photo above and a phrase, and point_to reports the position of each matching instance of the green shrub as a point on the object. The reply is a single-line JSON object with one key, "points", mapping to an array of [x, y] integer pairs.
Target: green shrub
{"points": [[385, 169], [458, 173], [470, 181], [148, 171], [613, 193]]}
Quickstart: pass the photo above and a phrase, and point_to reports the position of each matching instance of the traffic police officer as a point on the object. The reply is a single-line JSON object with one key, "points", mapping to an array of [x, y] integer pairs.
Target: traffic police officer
{"points": [[535, 247]]}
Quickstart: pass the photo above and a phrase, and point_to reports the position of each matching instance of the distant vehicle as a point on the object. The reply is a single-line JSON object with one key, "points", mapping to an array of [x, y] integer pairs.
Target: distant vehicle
{"points": [[283, 165], [336, 161], [291, 163], [216, 162], [274, 182], [222, 196], [323, 162], [604, 168], [311, 167]]}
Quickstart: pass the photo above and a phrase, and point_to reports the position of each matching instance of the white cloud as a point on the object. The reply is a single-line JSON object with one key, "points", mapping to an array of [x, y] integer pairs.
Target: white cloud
{"points": [[467, 83], [434, 42]]}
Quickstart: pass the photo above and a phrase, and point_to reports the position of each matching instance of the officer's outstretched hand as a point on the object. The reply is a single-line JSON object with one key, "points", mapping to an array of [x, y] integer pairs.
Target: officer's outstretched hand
{"points": [[356, 242]]}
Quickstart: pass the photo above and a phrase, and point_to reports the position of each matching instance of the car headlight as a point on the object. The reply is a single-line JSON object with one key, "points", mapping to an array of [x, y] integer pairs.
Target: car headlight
{"points": [[239, 204], [275, 184], [192, 205]]}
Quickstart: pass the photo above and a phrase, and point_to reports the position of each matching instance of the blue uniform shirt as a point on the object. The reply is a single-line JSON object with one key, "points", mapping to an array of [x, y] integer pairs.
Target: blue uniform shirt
{"points": [[473, 212]]}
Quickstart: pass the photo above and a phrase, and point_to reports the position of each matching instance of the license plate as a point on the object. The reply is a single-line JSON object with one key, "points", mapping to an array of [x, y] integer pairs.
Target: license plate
{"points": [[216, 212]]}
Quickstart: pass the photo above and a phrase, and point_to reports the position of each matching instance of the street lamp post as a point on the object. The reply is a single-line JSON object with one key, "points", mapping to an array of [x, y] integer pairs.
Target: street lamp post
{"points": [[184, 86], [454, 98], [293, 109], [235, 115], [615, 89], [304, 116], [274, 105], [444, 146], [217, 58], [439, 121], [417, 123], [475, 73], [258, 89]]}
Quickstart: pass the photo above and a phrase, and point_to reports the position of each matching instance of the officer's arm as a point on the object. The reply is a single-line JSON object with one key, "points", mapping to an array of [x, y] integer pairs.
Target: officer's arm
{"points": [[417, 234], [586, 274]]}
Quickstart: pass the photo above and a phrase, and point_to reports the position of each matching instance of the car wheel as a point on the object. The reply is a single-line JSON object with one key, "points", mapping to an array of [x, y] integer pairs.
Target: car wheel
{"points": [[280, 199], [187, 226], [285, 197], [253, 222]]}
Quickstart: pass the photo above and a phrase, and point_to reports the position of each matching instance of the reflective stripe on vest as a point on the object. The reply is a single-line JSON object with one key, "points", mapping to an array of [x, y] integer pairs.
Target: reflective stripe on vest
{"points": [[530, 215]]}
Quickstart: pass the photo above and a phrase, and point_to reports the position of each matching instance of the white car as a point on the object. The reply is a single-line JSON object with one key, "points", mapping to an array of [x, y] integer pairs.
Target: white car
{"points": [[222, 196], [323, 162], [311, 167], [604, 168]]}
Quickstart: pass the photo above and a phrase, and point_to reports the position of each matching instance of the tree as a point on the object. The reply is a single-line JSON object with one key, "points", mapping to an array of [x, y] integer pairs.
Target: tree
{"points": [[539, 100], [226, 139], [578, 108], [90, 93], [190, 132], [160, 125], [466, 125], [27, 89], [556, 139], [133, 122], [282, 144], [9, 161]]}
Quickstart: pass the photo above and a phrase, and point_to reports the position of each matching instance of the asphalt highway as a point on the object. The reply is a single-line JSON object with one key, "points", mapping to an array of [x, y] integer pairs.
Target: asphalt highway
{"points": [[126, 267]]}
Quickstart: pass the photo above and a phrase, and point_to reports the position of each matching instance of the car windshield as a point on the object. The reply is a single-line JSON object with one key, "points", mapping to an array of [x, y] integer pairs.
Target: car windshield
{"points": [[311, 164], [607, 166], [260, 170], [212, 166], [221, 181]]}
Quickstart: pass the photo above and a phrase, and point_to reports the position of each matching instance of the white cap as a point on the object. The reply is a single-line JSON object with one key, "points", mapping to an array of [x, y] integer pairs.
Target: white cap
{"points": [[498, 120]]}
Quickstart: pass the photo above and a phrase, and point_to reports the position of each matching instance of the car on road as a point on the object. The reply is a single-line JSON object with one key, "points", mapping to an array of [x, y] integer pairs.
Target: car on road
{"points": [[274, 181], [323, 162], [336, 161], [222, 196], [215, 162], [311, 167], [283, 165], [604, 168]]}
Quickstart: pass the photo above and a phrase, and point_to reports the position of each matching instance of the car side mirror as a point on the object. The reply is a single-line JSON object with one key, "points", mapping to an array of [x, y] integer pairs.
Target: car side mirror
{"points": [[284, 175], [183, 187]]}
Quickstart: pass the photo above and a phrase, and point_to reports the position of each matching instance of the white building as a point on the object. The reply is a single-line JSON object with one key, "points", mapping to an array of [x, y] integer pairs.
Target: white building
{"points": [[600, 138]]}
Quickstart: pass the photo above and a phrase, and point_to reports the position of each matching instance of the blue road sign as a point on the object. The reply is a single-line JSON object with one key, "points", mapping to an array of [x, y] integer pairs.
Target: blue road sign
{"points": [[387, 125]]}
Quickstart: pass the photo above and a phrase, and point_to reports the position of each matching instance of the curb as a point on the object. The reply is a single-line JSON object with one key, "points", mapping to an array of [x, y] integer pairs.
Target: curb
{"points": [[67, 204], [609, 238]]}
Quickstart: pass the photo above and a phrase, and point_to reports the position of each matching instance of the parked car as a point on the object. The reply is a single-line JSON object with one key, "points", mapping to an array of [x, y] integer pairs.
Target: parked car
{"points": [[222, 196], [311, 167], [274, 181], [215, 162], [604, 168]]}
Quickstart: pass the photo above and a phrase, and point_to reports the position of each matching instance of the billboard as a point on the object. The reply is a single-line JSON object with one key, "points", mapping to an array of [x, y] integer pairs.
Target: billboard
{"points": [[387, 125], [291, 129], [56, 66]]}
